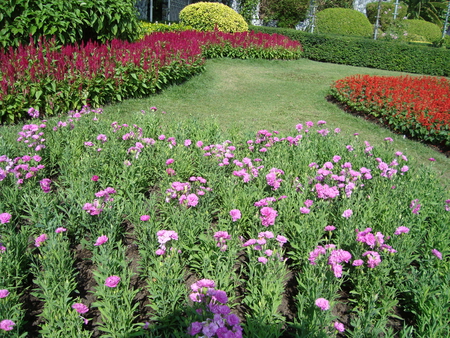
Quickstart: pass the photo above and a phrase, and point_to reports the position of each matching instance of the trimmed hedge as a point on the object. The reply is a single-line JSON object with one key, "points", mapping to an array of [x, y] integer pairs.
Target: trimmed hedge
{"points": [[344, 21], [208, 16], [361, 52]]}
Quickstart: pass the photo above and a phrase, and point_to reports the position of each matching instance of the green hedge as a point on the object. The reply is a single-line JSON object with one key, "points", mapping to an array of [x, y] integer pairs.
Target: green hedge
{"points": [[362, 52]]}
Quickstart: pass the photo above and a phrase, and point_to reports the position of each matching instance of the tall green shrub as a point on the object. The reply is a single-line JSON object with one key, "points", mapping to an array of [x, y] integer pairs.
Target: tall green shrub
{"points": [[288, 13], [208, 16], [428, 30], [343, 21], [386, 13], [69, 21]]}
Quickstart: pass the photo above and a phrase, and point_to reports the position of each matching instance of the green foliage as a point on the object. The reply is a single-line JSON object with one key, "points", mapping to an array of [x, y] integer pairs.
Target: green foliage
{"points": [[288, 13], [149, 27], [360, 52], [432, 11], [247, 8], [386, 13], [428, 30], [205, 16], [343, 21], [68, 21], [323, 4]]}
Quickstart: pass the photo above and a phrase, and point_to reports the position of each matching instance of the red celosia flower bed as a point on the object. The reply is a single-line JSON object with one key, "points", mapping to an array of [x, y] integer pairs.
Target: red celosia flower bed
{"points": [[416, 106], [55, 80]]}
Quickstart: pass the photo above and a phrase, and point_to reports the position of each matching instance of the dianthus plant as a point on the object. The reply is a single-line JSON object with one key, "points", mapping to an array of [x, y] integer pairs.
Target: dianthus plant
{"points": [[187, 192], [212, 314]]}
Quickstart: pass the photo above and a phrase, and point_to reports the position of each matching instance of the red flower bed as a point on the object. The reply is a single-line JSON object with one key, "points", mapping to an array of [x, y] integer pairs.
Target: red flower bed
{"points": [[416, 106], [54, 80]]}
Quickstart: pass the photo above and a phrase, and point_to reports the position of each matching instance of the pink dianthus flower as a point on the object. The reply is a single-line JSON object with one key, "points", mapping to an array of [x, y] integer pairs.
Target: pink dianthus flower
{"points": [[322, 303]]}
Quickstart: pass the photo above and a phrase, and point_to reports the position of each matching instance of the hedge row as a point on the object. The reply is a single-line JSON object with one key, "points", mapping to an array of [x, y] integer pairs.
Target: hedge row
{"points": [[362, 52]]}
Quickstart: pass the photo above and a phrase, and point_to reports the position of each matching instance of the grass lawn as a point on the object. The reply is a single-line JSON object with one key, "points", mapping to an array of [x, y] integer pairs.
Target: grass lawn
{"points": [[244, 96]]}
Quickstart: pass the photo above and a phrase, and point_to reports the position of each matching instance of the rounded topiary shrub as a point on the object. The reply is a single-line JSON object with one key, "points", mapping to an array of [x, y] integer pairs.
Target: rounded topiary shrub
{"points": [[208, 16], [386, 13], [428, 30], [343, 21]]}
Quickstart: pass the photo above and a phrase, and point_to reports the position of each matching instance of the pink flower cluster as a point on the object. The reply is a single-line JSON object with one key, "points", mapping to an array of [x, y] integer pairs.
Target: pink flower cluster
{"points": [[268, 216], [97, 206], [216, 317], [45, 185], [260, 245], [7, 325], [273, 179], [32, 136], [101, 240], [21, 167], [40, 239], [235, 214], [336, 257], [222, 237], [182, 191], [373, 241], [415, 206], [223, 152], [112, 281], [249, 171], [5, 218], [165, 236]]}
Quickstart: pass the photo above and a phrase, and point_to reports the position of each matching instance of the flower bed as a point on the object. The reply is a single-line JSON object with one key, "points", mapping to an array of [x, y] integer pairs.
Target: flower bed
{"points": [[55, 80], [142, 228], [415, 106]]}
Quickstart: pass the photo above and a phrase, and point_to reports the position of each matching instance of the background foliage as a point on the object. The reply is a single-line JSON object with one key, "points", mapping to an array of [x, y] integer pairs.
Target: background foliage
{"points": [[68, 21], [287, 13], [356, 51]]}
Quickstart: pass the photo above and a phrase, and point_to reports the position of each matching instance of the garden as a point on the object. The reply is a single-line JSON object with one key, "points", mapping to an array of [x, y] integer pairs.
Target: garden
{"points": [[147, 224]]}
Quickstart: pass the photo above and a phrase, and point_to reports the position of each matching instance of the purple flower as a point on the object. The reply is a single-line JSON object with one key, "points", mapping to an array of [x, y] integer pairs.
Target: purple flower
{"points": [[358, 262], [401, 230], [282, 240], [7, 325], [5, 218], [235, 214], [160, 252], [187, 143], [339, 326], [4, 293], [203, 283], [170, 161], [304, 210], [45, 185], [145, 218], [431, 159], [102, 138], [60, 229], [262, 260], [195, 328], [40, 239], [80, 308], [192, 200], [94, 178], [101, 240], [436, 253], [373, 260], [347, 213], [322, 303], [112, 281], [329, 228]]}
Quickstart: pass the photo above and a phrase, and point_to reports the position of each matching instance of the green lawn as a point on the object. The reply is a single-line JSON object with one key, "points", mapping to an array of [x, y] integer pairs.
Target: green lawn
{"points": [[247, 95]]}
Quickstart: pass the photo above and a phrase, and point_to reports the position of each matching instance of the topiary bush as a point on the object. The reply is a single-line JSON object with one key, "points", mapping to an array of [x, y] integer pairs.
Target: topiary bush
{"points": [[68, 21], [386, 13], [428, 30], [343, 21], [208, 16]]}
